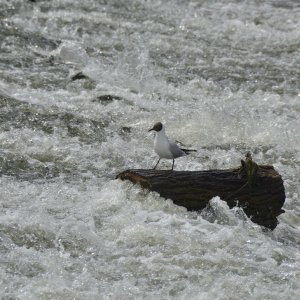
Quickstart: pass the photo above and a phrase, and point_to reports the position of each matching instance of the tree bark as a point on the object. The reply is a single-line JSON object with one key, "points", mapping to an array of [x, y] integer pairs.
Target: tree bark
{"points": [[261, 196]]}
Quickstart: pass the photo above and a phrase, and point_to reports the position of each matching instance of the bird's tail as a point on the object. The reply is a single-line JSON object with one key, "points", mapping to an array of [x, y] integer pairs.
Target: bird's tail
{"points": [[188, 151]]}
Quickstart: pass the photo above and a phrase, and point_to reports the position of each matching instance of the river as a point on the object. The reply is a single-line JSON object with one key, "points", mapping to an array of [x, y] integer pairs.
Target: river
{"points": [[81, 82]]}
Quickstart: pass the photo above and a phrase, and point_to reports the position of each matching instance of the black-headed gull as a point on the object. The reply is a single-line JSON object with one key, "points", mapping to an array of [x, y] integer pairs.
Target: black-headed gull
{"points": [[165, 148]]}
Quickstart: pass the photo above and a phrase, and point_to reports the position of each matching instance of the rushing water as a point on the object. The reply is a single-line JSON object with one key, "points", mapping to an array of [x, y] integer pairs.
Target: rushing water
{"points": [[224, 77]]}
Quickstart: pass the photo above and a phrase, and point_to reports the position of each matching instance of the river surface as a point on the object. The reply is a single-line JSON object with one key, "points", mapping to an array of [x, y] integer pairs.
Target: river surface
{"points": [[81, 82]]}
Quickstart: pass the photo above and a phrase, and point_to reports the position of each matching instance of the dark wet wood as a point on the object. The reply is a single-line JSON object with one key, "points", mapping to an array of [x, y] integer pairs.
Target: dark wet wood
{"points": [[261, 199]]}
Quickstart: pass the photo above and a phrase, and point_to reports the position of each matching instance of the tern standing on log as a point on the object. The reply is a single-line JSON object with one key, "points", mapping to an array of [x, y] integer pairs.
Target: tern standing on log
{"points": [[165, 148]]}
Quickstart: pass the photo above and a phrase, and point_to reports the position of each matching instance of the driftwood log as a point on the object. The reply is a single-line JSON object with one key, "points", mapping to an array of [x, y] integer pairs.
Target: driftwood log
{"points": [[257, 189]]}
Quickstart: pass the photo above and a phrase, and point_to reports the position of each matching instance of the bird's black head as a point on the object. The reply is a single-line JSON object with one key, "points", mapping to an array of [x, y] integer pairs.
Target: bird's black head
{"points": [[157, 127]]}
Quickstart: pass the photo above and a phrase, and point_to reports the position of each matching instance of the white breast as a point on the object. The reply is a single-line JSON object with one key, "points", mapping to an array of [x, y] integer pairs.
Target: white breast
{"points": [[161, 145]]}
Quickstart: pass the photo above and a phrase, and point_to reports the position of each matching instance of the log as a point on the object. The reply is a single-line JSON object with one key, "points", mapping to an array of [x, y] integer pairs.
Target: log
{"points": [[258, 190]]}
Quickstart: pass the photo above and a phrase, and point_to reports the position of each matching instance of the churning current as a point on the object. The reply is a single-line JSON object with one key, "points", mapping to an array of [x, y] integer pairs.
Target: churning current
{"points": [[81, 82]]}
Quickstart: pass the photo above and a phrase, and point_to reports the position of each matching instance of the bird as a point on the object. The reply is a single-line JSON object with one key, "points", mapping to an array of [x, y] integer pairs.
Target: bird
{"points": [[165, 148]]}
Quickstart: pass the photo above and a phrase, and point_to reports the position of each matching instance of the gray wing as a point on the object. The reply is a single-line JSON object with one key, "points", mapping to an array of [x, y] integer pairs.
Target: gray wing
{"points": [[175, 150]]}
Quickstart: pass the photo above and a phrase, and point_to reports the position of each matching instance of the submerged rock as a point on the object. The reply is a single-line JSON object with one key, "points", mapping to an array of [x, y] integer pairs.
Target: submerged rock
{"points": [[46, 164], [106, 99], [18, 114], [79, 76]]}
